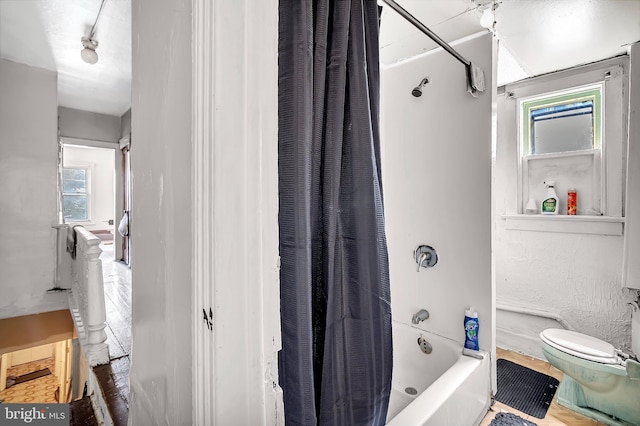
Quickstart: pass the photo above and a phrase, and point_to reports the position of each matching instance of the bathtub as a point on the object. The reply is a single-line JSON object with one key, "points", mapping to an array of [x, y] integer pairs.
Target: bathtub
{"points": [[450, 388]]}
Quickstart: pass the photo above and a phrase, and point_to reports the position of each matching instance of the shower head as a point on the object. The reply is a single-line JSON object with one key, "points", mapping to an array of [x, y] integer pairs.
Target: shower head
{"points": [[417, 91]]}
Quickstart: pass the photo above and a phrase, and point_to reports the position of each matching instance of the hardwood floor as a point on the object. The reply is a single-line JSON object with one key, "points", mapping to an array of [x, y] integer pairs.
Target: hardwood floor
{"points": [[557, 414], [117, 291]]}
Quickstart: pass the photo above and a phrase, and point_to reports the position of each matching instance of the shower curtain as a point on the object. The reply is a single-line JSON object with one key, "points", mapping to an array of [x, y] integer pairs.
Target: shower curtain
{"points": [[336, 358]]}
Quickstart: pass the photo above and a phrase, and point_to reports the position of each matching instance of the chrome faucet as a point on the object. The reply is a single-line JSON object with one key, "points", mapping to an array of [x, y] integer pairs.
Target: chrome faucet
{"points": [[420, 316]]}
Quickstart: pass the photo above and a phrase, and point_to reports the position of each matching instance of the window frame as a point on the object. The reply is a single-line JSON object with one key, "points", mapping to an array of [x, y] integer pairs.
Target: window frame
{"points": [[508, 178], [612, 75], [592, 92]]}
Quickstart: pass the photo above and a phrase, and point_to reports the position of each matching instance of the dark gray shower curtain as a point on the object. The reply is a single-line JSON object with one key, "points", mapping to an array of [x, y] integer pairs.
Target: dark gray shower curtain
{"points": [[336, 360]]}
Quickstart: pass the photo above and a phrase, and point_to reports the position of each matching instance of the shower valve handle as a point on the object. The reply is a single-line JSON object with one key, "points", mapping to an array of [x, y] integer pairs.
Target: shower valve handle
{"points": [[425, 257]]}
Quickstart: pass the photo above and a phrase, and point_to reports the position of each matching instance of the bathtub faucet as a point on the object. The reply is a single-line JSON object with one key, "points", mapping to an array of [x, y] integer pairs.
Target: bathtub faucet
{"points": [[420, 316]]}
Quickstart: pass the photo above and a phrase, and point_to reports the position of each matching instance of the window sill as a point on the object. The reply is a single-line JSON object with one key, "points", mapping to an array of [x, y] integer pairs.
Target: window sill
{"points": [[599, 225]]}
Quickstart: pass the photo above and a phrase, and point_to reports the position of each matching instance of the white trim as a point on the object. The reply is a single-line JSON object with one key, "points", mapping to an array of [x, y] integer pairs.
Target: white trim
{"points": [[88, 142], [520, 154], [599, 225], [262, 192], [235, 248], [615, 98], [534, 157], [203, 126]]}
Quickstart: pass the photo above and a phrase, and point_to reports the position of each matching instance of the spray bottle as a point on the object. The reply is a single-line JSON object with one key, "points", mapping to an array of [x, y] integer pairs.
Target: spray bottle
{"points": [[549, 204]]}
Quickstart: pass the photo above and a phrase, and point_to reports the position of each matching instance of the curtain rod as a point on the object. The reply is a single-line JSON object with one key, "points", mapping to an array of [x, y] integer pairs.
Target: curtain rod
{"points": [[419, 25], [475, 76]]}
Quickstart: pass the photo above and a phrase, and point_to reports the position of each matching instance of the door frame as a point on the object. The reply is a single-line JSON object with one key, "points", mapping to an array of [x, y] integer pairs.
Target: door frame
{"points": [[124, 200], [235, 263], [65, 140]]}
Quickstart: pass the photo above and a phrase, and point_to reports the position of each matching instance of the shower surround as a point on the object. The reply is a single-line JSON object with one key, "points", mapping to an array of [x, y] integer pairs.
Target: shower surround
{"points": [[437, 186]]}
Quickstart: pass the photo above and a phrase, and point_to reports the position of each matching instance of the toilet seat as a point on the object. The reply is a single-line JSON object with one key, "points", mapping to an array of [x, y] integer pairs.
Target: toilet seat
{"points": [[580, 345]]}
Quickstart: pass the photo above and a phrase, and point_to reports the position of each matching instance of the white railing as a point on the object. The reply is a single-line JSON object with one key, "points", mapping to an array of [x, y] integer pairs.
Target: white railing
{"points": [[79, 263]]}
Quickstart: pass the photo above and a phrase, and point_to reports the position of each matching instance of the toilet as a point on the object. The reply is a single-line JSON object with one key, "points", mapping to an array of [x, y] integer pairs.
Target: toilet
{"points": [[599, 381]]}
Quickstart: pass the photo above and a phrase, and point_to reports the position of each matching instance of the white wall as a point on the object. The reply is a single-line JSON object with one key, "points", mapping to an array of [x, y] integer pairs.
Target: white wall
{"points": [[437, 188], [75, 123], [162, 313], [574, 277], [101, 164], [28, 200], [125, 123]]}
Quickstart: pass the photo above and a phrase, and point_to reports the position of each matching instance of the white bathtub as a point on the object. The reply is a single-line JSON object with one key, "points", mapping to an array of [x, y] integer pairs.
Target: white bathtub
{"points": [[452, 389]]}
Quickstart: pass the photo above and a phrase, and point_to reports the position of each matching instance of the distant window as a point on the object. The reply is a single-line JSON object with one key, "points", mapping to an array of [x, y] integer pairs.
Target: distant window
{"points": [[75, 194]]}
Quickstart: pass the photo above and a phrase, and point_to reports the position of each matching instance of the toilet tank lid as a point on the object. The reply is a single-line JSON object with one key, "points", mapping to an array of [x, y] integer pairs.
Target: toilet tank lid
{"points": [[580, 343]]}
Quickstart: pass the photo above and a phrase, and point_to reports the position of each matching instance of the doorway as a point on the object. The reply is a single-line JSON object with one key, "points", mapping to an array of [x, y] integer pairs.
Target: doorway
{"points": [[87, 190], [100, 175]]}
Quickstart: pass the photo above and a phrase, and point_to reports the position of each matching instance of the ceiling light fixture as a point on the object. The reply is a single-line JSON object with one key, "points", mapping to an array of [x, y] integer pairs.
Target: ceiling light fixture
{"points": [[88, 54], [89, 44], [487, 18], [487, 9]]}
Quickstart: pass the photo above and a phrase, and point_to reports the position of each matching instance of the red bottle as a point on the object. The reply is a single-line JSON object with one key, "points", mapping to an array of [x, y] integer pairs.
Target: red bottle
{"points": [[572, 202]]}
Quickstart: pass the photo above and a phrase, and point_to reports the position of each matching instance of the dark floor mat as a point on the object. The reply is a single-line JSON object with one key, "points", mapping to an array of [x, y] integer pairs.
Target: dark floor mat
{"points": [[524, 389], [15, 380], [510, 419]]}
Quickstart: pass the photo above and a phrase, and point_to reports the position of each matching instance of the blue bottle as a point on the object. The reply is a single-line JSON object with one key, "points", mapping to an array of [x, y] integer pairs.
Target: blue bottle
{"points": [[471, 328]]}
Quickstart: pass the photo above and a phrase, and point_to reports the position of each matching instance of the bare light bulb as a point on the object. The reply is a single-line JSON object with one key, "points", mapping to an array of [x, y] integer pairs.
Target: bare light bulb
{"points": [[88, 54], [487, 18]]}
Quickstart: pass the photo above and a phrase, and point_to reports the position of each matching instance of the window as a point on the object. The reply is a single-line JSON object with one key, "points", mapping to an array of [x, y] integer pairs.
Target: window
{"points": [[568, 127], [570, 121], [561, 142], [75, 194]]}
